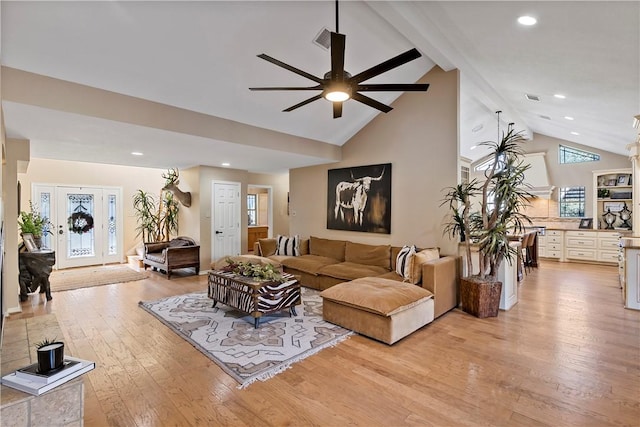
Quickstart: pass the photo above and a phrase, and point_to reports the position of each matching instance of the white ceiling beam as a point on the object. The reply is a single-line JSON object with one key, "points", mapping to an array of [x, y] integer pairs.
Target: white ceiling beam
{"points": [[427, 26]]}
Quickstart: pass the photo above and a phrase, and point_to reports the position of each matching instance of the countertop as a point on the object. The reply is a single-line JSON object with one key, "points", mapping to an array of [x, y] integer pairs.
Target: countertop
{"points": [[630, 242]]}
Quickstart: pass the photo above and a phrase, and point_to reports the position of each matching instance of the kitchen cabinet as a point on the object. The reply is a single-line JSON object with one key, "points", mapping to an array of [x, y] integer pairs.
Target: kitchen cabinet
{"points": [[552, 244], [594, 246], [581, 245], [613, 190]]}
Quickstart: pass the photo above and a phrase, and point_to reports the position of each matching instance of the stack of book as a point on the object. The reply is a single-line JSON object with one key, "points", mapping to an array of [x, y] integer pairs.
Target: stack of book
{"points": [[29, 380]]}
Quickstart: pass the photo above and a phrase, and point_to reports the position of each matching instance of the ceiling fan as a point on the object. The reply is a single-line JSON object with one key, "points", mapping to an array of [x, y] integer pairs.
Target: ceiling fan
{"points": [[339, 85]]}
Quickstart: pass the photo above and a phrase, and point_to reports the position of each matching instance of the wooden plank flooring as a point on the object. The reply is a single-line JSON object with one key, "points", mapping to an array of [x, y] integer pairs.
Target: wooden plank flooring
{"points": [[567, 354]]}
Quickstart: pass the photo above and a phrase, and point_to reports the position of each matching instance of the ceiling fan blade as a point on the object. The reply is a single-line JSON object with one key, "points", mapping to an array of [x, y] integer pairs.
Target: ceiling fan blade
{"points": [[305, 102], [337, 57], [392, 88], [385, 66], [371, 102], [337, 110], [319, 87], [290, 68]]}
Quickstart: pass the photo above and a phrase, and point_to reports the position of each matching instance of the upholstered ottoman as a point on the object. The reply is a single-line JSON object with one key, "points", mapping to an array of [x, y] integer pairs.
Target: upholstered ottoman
{"points": [[383, 309]]}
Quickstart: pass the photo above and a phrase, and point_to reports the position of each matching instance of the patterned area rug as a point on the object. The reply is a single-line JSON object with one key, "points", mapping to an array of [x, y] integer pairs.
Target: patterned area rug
{"points": [[227, 336], [86, 277]]}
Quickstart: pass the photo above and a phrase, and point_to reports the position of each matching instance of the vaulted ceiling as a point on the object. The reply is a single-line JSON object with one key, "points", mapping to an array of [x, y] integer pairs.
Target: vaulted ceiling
{"points": [[200, 57]]}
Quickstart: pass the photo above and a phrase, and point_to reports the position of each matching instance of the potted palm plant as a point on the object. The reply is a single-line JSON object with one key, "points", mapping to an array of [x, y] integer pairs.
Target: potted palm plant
{"points": [[502, 198], [156, 220]]}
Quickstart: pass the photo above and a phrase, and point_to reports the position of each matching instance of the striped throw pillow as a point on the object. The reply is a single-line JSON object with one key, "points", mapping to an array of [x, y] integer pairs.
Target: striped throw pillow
{"points": [[289, 246], [404, 261]]}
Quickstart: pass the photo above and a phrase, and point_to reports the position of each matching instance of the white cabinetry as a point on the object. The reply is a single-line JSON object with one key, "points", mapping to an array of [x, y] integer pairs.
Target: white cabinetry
{"points": [[581, 245], [554, 244], [542, 246], [608, 246], [631, 289], [613, 189]]}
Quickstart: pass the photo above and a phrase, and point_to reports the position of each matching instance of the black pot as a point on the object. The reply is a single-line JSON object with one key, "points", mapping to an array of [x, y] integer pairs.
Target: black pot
{"points": [[50, 357]]}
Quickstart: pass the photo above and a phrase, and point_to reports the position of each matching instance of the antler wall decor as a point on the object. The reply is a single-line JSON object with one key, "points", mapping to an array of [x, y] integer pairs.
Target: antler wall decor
{"points": [[171, 185]]}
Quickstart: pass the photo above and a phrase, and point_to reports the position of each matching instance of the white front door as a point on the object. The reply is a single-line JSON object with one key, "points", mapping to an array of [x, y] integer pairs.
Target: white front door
{"points": [[87, 224], [225, 222]]}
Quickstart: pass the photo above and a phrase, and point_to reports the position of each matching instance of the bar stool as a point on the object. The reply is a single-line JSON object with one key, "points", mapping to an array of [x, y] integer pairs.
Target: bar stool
{"points": [[530, 244], [524, 252]]}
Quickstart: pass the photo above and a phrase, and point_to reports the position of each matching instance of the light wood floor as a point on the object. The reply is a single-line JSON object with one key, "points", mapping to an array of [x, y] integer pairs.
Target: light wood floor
{"points": [[567, 354]]}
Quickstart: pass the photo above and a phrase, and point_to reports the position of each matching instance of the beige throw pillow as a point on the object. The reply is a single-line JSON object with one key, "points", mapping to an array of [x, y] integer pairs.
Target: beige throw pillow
{"points": [[420, 258]]}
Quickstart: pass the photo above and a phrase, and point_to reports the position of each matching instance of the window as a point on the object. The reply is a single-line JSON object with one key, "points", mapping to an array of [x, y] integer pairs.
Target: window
{"points": [[252, 209], [464, 173], [573, 155], [571, 202]]}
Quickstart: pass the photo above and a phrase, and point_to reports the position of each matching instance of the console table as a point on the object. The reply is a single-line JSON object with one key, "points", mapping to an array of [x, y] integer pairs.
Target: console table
{"points": [[253, 297]]}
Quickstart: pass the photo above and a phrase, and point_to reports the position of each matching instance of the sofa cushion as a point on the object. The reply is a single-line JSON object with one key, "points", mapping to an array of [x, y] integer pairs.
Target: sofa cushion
{"points": [[392, 275], [349, 270], [267, 247], [158, 257], [404, 262], [308, 263], [376, 255], [180, 241], [327, 248], [288, 245], [376, 295], [420, 258], [278, 258]]}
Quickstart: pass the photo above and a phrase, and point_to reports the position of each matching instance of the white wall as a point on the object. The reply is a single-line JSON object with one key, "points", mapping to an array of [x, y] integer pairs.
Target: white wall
{"points": [[420, 139]]}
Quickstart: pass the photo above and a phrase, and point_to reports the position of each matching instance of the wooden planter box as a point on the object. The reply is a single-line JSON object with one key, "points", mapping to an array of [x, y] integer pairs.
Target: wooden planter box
{"points": [[479, 298]]}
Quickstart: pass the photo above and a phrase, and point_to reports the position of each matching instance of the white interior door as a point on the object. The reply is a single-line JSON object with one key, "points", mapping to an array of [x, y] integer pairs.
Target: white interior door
{"points": [[87, 223], [225, 221]]}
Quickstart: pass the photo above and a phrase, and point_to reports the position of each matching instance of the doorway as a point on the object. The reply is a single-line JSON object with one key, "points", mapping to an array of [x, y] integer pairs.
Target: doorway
{"points": [[225, 221], [87, 223], [259, 213]]}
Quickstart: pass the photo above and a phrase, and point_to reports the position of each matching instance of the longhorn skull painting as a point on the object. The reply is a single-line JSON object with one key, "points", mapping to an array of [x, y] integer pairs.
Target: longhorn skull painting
{"points": [[359, 199]]}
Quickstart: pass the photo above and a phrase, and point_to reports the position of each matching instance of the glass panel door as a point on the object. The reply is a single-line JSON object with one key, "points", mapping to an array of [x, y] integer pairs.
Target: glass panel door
{"points": [[87, 223], [79, 234]]}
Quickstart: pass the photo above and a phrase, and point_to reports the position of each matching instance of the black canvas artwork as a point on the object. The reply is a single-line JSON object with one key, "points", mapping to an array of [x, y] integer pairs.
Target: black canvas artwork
{"points": [[359, 199]]}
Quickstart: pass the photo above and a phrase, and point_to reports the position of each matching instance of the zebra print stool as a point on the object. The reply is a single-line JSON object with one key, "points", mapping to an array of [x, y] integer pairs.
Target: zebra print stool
{"points": [[254, 297]]}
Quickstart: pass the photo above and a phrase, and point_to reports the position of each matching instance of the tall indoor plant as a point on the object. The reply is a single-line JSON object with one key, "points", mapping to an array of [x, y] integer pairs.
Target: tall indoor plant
{"points": [[502, 198], [157, 220]]}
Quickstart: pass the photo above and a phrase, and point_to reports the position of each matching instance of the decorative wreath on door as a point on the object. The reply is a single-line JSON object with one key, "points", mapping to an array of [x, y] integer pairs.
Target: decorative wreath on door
{"points": [[80, 222]]}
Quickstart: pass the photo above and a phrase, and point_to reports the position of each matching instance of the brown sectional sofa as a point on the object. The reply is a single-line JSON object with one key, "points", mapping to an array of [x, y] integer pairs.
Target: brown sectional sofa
{"points": [[324, 263]]}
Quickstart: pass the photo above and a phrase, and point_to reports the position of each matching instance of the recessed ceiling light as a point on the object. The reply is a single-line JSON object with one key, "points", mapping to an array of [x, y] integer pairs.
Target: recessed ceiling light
{"points": [[575, 133], [568, 117], [559, 96], [473, 147], [477, 128], [136, 153], [527, 20], [226, 164]]}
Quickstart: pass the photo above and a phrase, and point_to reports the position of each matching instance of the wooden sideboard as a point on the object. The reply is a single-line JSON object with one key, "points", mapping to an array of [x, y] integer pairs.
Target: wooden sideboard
{"points": [[256, 233]]}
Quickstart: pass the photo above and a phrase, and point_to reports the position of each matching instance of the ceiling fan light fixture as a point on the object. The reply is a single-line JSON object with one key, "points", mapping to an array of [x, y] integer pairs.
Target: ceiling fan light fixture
{"points": [[337, 93]]}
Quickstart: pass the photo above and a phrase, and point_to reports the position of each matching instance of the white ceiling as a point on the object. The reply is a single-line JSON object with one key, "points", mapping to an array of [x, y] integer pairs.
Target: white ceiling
{"points": [[201, 56]]}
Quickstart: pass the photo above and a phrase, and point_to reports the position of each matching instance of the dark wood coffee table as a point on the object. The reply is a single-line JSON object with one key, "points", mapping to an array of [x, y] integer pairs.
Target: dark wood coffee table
{"points": [[256, 298]]}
